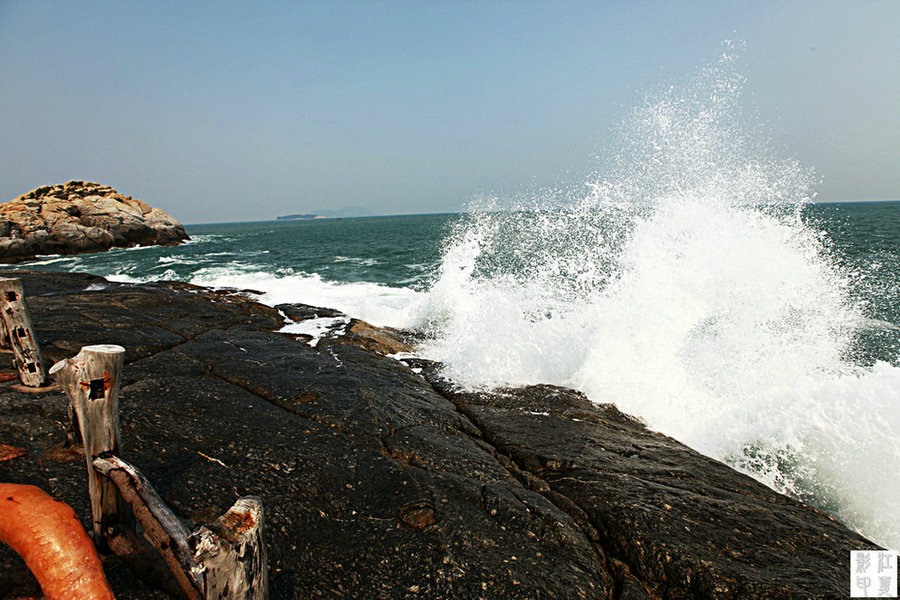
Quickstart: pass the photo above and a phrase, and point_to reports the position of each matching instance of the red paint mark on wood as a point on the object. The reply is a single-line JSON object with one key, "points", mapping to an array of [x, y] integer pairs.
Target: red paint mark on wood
{"points": [[8, 452], [8, 376], [236, 523], [107, 382]]}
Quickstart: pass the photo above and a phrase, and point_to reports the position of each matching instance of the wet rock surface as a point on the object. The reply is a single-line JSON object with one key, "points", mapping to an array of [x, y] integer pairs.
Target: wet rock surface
{"points": [[384, 481], [77, 217]]}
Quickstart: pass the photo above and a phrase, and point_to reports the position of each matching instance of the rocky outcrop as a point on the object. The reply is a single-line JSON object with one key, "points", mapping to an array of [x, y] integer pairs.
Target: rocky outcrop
{"points": [[382, 480], [77, 217]]}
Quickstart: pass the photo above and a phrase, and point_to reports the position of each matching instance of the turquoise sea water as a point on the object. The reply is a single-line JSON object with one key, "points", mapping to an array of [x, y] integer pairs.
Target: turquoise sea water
{"points": [[404, 253], [863, 240], [396, 251]]}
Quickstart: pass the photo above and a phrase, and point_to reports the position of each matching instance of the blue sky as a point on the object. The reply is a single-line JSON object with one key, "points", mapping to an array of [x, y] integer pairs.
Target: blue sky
{"points": [[225, 111]]}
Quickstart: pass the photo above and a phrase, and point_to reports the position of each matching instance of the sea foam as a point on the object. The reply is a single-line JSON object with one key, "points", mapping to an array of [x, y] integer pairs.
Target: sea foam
{"points": [[378, 304], [683, 284]]}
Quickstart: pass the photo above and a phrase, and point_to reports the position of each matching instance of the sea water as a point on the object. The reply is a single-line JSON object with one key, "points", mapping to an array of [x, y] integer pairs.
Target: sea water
{"points": [[691, 281]]}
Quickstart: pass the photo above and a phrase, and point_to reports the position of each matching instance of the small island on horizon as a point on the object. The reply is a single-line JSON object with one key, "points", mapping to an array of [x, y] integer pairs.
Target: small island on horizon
{"points": [[347, 211], [298, 217]]}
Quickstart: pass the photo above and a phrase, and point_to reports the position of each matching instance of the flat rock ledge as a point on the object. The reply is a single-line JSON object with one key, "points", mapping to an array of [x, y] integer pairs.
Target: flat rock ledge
{"points": [[380, 479], [78, 217]]}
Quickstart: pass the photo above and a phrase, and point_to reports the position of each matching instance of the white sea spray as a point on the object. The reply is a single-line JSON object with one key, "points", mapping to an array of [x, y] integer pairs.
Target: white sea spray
{"points": [[684, 285], [376, 303]]}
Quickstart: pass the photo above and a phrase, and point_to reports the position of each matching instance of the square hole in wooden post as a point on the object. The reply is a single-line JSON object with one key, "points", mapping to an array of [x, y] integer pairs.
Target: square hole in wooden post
{"points": [[97, 389]]}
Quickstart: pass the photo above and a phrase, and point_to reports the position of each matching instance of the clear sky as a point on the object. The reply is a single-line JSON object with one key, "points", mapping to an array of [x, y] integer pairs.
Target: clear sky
{"points": [[227, 111]]}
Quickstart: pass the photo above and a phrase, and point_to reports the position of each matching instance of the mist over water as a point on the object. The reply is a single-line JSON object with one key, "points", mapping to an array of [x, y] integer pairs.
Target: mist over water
{"points": [[684, 284]]}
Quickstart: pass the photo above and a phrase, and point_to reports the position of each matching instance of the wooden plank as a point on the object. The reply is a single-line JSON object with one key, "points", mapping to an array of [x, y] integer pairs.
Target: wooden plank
{"points": [[8, 452], [223, 561], [20, 332], [232, 553], [161, 527], [91, 381]]}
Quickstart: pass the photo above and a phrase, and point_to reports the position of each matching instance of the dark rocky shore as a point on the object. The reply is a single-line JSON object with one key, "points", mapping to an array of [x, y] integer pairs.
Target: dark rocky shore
{"points": [[381, 482]]}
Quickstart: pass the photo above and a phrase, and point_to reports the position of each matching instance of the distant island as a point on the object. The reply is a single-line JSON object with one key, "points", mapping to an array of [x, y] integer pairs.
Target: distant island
{"points": [[347, 211], [297, 217]]}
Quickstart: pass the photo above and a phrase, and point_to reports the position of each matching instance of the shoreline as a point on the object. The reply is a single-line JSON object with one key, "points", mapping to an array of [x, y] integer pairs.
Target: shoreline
{"points": [[379, 481]]}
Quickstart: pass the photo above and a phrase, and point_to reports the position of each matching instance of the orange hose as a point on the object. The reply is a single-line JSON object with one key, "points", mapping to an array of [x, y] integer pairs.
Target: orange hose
{"points": [[48, 535]]}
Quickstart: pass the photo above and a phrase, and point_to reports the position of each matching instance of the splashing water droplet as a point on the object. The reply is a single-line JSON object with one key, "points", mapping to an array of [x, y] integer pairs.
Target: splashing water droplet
{"points": [[684, 285]]}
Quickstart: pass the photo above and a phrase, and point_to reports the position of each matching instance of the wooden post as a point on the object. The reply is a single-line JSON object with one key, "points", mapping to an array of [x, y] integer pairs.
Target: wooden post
{"points": [[232, 554], [91, 381], [224, 561], [4, 334], [17, 320]]}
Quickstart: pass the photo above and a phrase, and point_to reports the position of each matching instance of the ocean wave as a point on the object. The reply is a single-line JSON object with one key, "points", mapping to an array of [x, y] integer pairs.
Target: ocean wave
{"points": [[182, 260], [202, 238], [378, 304], [52, 259], [684, 286], [363, 262]]}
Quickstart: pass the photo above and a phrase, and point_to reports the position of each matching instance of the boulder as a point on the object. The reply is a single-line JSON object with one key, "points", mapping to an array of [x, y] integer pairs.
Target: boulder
{"points": [[77, 217], [14, 250]]}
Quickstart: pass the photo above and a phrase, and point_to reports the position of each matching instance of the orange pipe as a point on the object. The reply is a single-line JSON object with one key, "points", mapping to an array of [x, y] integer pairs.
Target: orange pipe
{"points": [[48, 535]]}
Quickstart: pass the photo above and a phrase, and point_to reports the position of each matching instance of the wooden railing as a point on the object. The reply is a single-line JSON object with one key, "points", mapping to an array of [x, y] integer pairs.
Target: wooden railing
{"points": [[224, 560]]}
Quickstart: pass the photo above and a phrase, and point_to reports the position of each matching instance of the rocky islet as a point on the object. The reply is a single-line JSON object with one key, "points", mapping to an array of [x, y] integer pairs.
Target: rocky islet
{"points": [[77, 217]]}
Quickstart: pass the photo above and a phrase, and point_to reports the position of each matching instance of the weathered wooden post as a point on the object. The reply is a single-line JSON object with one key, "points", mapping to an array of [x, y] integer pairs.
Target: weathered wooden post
{"points": [[4, 334], [91, 381], [232, 554], [17, 320], [223, 561]]}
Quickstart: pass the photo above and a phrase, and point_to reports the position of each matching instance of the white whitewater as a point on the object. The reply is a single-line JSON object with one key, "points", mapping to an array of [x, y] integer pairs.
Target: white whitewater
{"points": [[378, 304], [683, 285]]}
